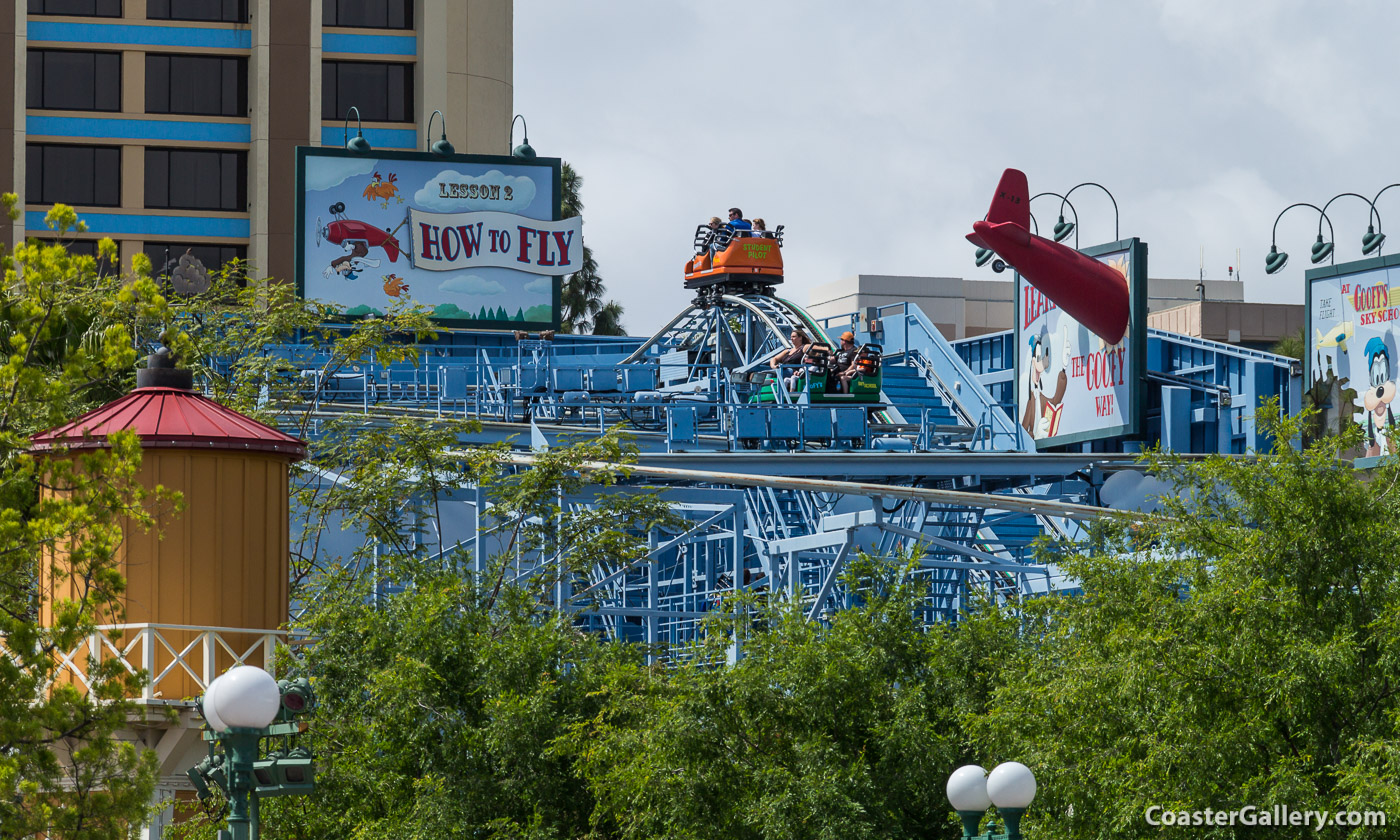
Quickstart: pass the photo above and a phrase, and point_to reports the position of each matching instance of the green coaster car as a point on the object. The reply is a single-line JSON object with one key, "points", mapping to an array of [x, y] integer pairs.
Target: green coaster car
{"points": [[819, 382]]}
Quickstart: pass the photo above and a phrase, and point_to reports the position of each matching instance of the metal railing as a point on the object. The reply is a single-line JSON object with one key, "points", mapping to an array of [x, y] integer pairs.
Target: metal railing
{"points": [[168, 653]]}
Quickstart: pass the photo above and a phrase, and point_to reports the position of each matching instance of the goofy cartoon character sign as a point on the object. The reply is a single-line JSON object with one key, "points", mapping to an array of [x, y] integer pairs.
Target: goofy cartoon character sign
{"points": [[1042, 415], [1379, 417]]}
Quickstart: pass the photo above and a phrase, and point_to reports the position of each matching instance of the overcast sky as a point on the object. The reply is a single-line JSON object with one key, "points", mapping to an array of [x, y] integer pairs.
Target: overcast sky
{"points": [[877, 131]]}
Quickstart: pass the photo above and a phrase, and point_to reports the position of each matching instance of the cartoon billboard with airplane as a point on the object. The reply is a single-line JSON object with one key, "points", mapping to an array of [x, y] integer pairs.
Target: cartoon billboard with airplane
{"points": [[478, 240], [1080, 336], [1353, 331]]}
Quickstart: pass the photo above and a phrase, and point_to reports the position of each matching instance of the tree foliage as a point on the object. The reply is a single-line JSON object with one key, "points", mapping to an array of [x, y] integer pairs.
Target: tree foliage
{"points": [[1240, 650], [68, 334]]}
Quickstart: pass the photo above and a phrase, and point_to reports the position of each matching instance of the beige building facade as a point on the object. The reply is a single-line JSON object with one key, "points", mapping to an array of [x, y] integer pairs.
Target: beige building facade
{"points": [[962, 308]]}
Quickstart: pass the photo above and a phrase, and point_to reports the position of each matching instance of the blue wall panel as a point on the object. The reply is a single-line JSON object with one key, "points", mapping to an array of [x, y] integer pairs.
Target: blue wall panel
{"points": [[379, 138], [129, 224], [127, 34], [343, 42], [138, 129]]}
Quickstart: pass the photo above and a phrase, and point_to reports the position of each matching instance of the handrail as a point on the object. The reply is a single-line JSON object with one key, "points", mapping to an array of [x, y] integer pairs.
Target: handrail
{"points": [[914, 332]]}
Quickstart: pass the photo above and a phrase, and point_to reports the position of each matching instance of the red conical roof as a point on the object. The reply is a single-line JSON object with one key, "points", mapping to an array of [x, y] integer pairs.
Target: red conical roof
{"points": [[170, 418]]}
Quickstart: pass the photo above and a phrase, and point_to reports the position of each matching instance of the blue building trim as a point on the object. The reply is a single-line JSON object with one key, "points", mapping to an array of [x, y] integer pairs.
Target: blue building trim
{"points": [[344, 42], [128, 34], [121, 128], [129, 224], [379, 138]]}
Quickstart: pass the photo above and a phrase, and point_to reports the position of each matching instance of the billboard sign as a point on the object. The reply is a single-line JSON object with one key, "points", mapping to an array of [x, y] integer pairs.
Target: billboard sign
{"points": [[1071, 385], [476, 239], [1353, 329]]}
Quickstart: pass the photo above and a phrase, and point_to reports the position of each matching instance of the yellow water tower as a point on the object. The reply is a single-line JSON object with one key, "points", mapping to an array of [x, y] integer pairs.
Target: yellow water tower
{"points": [[208, 584]]}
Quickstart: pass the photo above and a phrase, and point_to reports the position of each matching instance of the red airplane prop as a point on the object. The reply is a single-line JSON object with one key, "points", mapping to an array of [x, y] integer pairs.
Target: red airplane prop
{"points": [[1092, 293], [350, 230]]}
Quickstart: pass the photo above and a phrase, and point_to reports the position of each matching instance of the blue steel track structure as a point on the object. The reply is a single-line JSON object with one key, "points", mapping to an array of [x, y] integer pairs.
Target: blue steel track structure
{"points": [[778, 497]]}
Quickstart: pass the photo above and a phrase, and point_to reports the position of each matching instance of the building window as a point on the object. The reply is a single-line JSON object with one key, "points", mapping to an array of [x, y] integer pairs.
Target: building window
{"points": [[196, 179], [372, 14], [382, 92], [83, 247], [226, 11], [70, 80], [165, 256], [88, 176], [209, 85], [77, 8]]}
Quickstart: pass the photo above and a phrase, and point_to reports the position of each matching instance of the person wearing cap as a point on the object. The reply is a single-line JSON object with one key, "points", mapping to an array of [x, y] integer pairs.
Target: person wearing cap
{"points": [[843, 362]]}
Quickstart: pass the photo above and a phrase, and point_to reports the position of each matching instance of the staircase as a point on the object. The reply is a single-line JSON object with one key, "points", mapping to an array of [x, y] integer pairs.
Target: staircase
{"points": [[907, 389]]}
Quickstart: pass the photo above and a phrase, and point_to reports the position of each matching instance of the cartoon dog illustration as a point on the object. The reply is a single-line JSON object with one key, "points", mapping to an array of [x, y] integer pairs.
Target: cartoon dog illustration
{"points": [[1042, 415], [1379, 417]]}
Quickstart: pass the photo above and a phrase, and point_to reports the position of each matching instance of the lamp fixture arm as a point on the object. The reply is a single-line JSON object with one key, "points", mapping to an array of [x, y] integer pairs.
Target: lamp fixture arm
{"points": [[1378, 198], [510, 143], [359, 126], [1110, 198], [428, 134], [1064, 200], [1273, 235], [1374, 213]]}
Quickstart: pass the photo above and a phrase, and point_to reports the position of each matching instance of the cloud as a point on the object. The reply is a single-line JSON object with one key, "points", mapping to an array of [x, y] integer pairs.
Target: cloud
{"points": [[521, 189], [471, 284], [540, 285], [328, 173]]}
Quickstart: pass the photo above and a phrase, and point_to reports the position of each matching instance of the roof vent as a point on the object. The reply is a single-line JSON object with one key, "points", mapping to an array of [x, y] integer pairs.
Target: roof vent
{"points": [[160, 372]]}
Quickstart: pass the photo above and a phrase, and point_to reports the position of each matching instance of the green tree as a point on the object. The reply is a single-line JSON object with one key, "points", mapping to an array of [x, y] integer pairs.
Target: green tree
{"points": [[839, 730], [584, 309], [1241, 649], [69, 336]]}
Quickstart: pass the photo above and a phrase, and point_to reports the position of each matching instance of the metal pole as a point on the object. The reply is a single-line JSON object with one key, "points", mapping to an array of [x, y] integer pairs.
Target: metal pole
{"points": [[241, 746]]}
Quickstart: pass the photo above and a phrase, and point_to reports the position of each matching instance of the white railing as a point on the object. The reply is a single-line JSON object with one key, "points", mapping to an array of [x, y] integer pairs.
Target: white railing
{"points": [[167, 652]]}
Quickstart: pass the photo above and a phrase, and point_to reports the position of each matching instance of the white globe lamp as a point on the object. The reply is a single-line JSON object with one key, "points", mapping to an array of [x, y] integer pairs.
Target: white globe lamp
{"points": [[243, 697], [967, 793], [216, 723], [1011, 786]]}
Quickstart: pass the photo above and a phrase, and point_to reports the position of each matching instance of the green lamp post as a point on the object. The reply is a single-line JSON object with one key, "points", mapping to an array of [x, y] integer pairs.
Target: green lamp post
{"points": [[1069, 226], [1010, 787], [359, 145], [524, 150], [1321, 249], [1370, 241], [441, 148], [244, 707]]}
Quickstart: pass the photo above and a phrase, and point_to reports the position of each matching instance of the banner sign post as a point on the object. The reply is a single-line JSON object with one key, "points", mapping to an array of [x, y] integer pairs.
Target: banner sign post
{"points": [[476, 239], [1353, 334], [1071, 386]]}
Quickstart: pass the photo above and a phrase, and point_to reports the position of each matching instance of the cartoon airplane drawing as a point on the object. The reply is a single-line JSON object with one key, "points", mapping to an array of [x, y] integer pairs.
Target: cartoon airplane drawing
{"points": [[341, 230], [1337, 336], [1093, 293]]}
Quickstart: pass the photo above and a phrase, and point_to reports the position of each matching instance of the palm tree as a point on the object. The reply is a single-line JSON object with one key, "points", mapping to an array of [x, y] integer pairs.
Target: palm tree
{"points": [[582, 296]]}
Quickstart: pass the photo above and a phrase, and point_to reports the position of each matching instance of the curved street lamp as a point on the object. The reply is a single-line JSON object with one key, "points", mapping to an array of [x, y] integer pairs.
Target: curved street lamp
{"points": [[1277, 259], [1370, 241], [1062, 228], [441, 148], [359, 145], [1105, 192], [524, 150]]}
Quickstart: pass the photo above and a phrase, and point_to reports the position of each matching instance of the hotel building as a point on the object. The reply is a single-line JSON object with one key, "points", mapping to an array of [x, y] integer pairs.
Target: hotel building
{"points": [[171, 125]]}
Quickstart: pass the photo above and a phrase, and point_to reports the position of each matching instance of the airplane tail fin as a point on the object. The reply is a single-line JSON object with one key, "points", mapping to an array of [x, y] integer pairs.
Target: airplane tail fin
{"points": [[1012, 200]]}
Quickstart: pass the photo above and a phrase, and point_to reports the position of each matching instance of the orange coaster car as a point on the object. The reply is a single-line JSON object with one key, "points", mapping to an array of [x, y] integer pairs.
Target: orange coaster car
{"points": [[727, 255]]}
